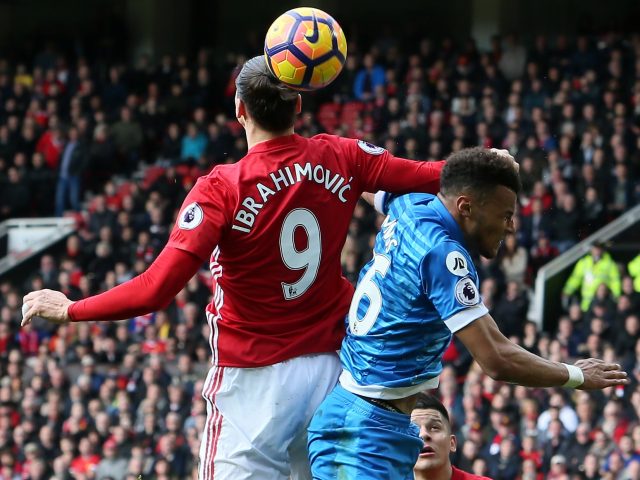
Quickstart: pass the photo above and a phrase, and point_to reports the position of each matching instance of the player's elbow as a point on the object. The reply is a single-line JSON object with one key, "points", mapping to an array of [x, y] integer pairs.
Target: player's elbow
{"points": [[496, 367], [159, 303]]}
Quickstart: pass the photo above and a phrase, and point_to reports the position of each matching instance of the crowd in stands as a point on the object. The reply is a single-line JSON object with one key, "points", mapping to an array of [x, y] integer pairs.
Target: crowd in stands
{"points": [[117, 147]]}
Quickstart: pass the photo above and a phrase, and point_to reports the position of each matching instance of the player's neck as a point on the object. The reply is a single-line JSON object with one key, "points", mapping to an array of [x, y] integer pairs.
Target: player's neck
{"points": [[451, 208], [443, 473], [257, 135]]}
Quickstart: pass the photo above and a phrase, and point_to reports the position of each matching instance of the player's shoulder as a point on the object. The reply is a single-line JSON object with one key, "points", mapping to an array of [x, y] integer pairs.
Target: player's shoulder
{"points": [[345, 143], [448, 254], [418, 204], [419, 210], [329, 141], [221, 173], [220, 178]]}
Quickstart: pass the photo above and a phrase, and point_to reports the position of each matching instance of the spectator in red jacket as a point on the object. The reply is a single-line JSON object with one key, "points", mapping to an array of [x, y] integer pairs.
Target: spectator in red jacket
{"points": [[50, 145], [86, 462]]}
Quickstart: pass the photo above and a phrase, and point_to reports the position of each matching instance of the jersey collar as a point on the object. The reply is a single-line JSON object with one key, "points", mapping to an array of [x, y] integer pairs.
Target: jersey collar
{"points": [[449, 222], [274, 143]]}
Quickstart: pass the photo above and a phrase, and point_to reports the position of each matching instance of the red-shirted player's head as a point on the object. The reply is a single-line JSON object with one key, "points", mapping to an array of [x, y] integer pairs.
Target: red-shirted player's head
{"points": [[267, 101], [435, 430]]}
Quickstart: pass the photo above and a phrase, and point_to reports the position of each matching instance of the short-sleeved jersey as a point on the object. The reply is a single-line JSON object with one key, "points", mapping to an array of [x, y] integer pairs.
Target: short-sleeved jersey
{"points": [[276, 222], [420, 287]]}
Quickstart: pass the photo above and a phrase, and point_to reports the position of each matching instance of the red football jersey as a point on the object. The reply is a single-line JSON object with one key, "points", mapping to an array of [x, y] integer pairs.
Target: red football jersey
{"points": [[276, 222], [458, 474]]}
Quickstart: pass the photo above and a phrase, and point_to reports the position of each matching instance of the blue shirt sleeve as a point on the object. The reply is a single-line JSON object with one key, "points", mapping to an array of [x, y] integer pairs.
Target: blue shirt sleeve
{"points": [[450, 282]]}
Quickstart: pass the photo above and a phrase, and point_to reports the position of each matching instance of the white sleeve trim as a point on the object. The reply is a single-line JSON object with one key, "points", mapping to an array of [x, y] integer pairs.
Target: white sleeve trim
{"points": [[465, 317], [379, 200]]}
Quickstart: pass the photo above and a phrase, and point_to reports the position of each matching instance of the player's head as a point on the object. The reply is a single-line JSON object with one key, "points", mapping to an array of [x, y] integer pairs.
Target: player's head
{"points": [[480, 188], [435, 430], [261, 98]]}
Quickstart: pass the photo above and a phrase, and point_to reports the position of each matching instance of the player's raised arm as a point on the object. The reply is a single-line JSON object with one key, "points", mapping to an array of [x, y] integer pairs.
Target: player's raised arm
{"points": [[148, 292], [503, 360], [424, 177], [197, 231], [377, 169]]}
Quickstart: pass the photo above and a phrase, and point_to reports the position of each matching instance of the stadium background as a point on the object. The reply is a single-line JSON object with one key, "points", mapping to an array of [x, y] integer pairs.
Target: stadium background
{"points": [[119, 400]]}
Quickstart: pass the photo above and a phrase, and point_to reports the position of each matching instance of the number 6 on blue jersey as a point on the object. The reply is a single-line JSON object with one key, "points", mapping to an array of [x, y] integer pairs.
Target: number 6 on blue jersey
{"points": [[368, 288]]}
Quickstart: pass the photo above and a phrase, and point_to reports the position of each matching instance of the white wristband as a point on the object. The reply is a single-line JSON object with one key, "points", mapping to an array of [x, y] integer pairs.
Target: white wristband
{"points": [[576, 377], [379, 200]]}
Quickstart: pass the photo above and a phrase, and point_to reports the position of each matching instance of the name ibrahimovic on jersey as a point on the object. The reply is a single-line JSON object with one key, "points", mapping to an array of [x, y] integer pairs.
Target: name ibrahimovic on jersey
{"points": [[287, 177]]}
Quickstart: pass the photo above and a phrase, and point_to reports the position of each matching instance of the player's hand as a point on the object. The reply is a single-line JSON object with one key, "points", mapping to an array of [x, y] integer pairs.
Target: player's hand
{"points": [[599, 374], [48, 304], [368, 197], [505, 153]]}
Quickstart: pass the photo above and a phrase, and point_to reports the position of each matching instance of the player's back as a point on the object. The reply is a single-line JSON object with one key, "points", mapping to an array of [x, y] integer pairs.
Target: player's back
{"points": [[397, 334], [278, 286]]}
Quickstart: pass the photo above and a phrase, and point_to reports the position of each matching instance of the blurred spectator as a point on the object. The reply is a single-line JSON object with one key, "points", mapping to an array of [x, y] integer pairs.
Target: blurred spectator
{"points": [[127, 139], [567, 224], [536, 224], [558, 469], [86, 462], [506, 464], [50, 146], [111, 464], [577, 447], [72, 167], [542, 253], [510, 312], [15, 196], [513, 260], [368, 78], [512, 58], [194, 144], [101, 158], [41, 184]]}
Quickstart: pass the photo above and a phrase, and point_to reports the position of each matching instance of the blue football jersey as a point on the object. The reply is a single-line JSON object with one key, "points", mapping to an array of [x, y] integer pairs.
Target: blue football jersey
{"points": [[420, 287]]}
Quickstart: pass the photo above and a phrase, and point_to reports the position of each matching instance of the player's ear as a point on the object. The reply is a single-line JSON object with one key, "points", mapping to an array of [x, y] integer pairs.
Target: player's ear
{"points": [[241, 111], [298, 104], [463, 204], [454, 444]]}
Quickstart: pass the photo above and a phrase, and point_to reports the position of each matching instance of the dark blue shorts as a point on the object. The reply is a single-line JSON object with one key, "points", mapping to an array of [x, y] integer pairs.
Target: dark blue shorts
{"points": [[349, 438]]}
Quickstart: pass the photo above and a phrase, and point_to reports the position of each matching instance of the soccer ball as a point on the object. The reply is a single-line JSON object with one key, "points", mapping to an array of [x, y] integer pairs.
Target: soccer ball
{"points": [[305, 48]]}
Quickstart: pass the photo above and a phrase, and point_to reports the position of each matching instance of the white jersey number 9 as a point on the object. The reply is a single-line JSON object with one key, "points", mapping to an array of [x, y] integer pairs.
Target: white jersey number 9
{"points": [[294, 259], [368, 288]]}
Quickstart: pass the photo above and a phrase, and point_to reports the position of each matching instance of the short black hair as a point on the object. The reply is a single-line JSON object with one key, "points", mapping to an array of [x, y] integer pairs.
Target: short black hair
{"points": [[429, 402], [478, 170], [271, 104]]}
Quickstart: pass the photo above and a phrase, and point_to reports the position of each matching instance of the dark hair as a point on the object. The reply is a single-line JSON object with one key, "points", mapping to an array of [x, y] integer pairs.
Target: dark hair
{"points": [[271, 104], [479, 170], [429, 402]]}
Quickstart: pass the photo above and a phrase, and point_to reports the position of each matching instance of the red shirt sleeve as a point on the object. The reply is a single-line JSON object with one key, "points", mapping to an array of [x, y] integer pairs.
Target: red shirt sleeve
{"points": [[204, 215], [379, 170], [148, 292]]}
